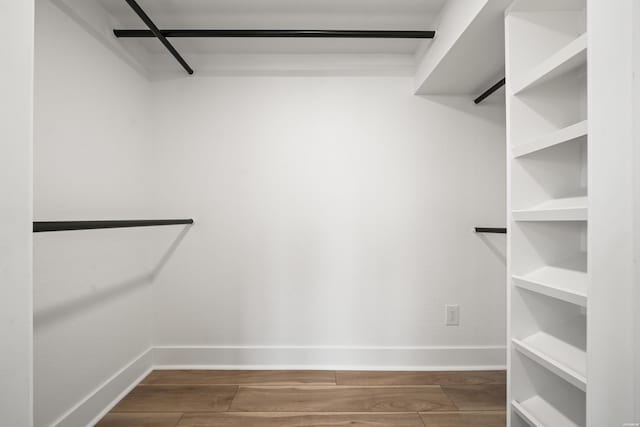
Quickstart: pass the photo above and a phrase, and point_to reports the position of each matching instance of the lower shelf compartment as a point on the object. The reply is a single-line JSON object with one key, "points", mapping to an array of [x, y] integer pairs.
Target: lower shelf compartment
{"points": [[558, 356], [537, 412]]}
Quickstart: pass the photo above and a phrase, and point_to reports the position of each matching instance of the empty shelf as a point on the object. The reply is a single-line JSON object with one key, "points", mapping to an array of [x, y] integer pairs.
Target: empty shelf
{"points": [[537, 412], [561, 358], [567, 209], [556, 282], [571, 133], [569, 58]]}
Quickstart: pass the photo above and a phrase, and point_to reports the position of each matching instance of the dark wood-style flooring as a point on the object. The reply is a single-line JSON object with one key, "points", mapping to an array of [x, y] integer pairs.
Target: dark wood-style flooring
{"points": [[313, 398]]}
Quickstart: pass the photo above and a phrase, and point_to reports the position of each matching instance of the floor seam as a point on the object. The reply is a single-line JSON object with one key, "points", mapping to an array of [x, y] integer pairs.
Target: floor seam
{"points": [[179, 419], [450, 399], [235, 394], [422, 420]]}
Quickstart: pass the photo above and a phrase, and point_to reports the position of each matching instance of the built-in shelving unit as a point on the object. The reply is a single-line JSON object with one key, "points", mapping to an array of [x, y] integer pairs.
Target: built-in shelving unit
{"points": [[546, 45]]}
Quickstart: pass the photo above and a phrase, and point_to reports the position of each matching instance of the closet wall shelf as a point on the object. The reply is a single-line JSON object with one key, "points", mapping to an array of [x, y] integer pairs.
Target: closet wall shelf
{"points": [[537, 412], [555, 282], [565, 209], [569, 58], [574, 133], [557, 356]]}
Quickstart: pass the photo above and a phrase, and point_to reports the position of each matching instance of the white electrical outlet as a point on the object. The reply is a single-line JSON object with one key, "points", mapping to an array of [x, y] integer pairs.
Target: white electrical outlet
{"points": [[453, 315]]}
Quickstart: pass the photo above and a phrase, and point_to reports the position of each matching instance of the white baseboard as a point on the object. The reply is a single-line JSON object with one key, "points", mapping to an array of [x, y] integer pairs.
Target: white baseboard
{"points": [[93, 407], [330, 358]]}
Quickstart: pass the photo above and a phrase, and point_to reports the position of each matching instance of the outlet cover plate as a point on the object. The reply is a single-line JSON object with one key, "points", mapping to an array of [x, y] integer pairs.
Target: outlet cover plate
{"points": [[452, 315]]}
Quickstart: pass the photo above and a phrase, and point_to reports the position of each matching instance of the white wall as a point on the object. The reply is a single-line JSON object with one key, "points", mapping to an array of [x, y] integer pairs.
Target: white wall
{"points": [[16, 137], [636, 121], [330, 212], [91, 158], [334, 221], [611, 359]]}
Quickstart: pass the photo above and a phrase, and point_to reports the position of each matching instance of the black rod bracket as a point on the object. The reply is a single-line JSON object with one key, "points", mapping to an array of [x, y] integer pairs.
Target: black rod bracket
{"points": [[153, 29], [349, 34], [45, 226], [490, 91]]}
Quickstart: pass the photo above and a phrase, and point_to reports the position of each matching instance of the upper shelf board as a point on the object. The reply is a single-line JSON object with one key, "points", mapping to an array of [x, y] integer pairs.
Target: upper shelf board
{"points": [[555, 282], [467, 55], [571, 57], [574, 133], [565, 209]]}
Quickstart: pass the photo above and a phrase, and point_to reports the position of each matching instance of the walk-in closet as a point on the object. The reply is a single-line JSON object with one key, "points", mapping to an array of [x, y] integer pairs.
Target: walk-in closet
{"points": [[286, 213]]}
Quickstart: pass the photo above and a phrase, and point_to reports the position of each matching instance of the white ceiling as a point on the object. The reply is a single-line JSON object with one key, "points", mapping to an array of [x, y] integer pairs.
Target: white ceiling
{"points": [[186, 12], [280, 14]]}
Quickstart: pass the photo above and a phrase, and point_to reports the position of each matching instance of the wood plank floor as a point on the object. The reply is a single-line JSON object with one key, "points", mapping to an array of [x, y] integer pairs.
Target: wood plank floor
{"points": [[313, 398]]}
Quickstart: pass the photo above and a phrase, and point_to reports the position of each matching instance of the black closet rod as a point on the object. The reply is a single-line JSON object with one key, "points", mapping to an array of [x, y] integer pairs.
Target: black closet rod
{"points": [[491, 230], [162, 35], [359, 34], [155, 32], [44, 226], [490, 91]]}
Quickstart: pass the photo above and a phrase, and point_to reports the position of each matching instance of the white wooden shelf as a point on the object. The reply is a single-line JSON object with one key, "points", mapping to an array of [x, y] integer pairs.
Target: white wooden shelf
{"points": [[567, 282], [565, 209], [574, 133], [569, 58], [556, 282], [561, 358], [537, 412]]}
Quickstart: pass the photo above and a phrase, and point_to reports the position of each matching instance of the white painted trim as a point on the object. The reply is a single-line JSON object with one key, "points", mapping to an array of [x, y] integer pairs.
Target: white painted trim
{"points": [[92, 408], [330, 358]]}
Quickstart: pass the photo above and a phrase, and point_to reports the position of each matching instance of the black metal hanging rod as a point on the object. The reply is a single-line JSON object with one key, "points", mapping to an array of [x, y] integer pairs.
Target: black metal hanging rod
{"points": [[155, 32], [44, 226], [490, 91], [491, 230], [162, 35], [358, 34]]}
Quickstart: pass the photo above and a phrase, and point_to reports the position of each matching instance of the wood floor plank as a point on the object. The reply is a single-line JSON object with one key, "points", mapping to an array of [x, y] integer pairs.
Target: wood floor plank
{"points": [[421, 378], [340, 399], [465, 419], [172, 398], [140, 420], [193, 377], [230, 419], [485, 397]]}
